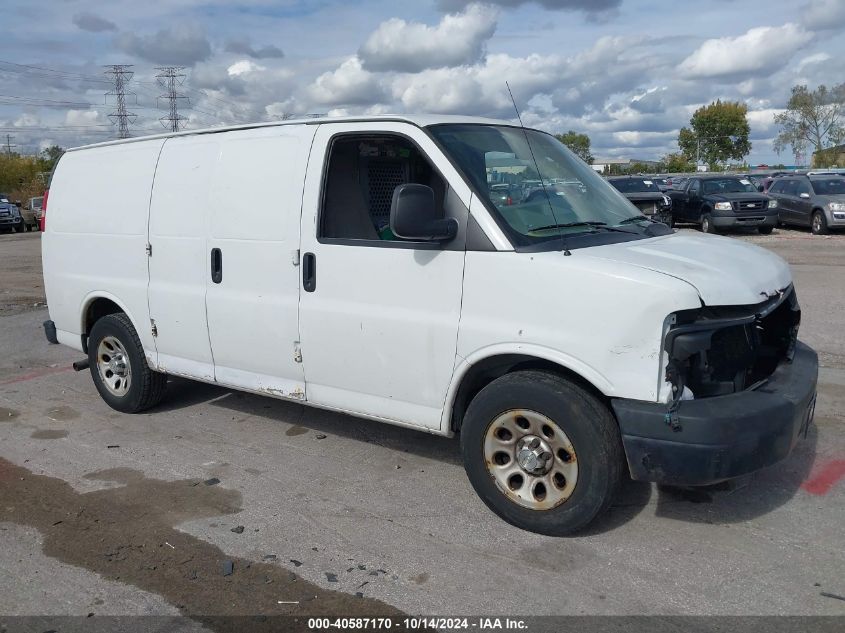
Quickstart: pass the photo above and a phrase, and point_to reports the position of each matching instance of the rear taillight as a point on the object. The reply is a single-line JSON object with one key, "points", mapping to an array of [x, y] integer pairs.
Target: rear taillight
{"points": [[43, 221], [509, 201]]}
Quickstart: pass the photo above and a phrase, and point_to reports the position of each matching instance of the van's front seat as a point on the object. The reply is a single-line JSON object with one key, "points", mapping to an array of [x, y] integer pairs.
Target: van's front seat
{"points": [[346, 214]]}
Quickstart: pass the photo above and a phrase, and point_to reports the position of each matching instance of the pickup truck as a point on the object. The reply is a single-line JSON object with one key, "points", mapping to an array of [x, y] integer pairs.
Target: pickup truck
{"points": [[721, 202]]}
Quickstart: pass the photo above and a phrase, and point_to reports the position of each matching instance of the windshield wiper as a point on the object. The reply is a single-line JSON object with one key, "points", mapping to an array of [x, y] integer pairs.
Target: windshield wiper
{"points": [[636, 218], [591, 223]]}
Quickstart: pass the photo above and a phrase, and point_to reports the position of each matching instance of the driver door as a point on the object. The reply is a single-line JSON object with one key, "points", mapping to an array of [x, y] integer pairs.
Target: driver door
{"points": [[378, 315]]}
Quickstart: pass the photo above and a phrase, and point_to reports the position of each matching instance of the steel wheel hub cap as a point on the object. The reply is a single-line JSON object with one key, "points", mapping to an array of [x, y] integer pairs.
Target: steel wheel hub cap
{"points": [[530, 459], [113, 366], [534, 455]]}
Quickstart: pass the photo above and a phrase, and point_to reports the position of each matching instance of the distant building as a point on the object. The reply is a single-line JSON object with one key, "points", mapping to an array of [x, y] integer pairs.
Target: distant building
{"points": [[606, 165]]}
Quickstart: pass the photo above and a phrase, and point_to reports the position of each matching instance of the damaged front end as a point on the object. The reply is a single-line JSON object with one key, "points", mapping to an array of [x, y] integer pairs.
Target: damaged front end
{"points": [[742, 391], [715, 351]]}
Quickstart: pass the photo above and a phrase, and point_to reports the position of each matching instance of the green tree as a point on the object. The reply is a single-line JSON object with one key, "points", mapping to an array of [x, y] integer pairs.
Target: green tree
{"points": [[50, 156], [814, 118], [578, 143], [20, 176], [719, 132], [639, 168], [676, 163]]}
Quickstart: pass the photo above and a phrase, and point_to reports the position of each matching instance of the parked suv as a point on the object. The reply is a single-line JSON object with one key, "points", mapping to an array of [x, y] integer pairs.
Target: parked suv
{"points": [[814, 201]]}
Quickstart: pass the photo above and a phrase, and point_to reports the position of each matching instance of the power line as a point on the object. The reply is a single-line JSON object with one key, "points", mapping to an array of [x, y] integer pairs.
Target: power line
{"points": [[171, 77], [42, 69], [121, 75], [45, 103], [9, 144]]}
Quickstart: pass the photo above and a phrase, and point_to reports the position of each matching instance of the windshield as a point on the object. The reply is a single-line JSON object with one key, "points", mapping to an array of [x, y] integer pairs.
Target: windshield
{"points": [[633, 185], [565, 190], [829, 186], [728, 185]]}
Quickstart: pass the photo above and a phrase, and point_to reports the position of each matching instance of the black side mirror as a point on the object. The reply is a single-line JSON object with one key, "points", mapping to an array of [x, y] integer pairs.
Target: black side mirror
{"points": [[18, 204], [413, 216], [760, 188]]}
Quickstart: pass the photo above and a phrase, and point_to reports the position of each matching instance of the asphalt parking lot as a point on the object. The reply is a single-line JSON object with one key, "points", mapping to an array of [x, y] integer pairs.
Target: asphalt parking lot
{"points": [[108, 514]]}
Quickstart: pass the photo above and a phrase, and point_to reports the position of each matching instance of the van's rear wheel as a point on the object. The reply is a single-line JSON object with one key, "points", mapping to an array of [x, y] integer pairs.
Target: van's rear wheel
{"points": [[542, 452], [119, 368]]}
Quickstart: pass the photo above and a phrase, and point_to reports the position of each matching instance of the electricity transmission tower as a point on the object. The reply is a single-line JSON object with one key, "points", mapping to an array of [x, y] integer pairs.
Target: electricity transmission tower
{"points": [[170, 78], [9, 144], [121, 76]]}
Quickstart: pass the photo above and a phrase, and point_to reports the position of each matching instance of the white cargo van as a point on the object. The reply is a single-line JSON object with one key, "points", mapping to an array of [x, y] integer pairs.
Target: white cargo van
{"points": [[373, 266]]}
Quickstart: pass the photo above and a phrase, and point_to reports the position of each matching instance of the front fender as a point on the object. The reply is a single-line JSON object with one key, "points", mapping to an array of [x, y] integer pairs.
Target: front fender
{"points": [[539, 352]]}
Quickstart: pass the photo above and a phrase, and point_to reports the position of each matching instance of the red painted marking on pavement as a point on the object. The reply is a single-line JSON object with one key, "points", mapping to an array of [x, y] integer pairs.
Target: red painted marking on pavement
{"points": [[36, 374], [826, 478]]}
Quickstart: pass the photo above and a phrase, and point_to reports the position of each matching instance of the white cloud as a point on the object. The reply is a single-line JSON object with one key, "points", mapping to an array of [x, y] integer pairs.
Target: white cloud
{"points": [[82, 117], [811, 60], [27, 119], [758, 51], [762, 121], [349, 84], [403, 46], [243, 67]]}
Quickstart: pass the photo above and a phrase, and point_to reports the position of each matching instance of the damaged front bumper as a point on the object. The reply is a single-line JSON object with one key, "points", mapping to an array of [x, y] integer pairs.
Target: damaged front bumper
{"points": [[722, 437]]}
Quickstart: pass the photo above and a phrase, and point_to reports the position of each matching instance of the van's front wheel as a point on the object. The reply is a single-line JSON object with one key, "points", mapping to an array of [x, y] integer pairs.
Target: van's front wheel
{"points": [[542, 452], [119, 368]]}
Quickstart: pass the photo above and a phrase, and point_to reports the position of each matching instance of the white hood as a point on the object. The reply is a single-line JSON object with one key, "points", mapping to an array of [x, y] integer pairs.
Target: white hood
{"points": [[725, 271]]}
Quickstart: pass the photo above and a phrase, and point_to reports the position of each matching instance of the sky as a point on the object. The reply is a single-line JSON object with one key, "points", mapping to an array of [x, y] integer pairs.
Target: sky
{"points": [[629, 73]]}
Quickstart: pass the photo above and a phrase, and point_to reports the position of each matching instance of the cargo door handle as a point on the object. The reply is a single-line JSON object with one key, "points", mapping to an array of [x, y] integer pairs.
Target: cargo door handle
{"points": [[216, 265], [309, 272]]}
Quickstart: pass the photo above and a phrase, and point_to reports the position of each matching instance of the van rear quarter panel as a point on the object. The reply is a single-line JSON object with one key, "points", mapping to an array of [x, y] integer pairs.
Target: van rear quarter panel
{"points": [[96, 234]]}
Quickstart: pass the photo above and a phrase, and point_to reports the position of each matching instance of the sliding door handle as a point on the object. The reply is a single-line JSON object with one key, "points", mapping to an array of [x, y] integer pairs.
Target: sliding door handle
{"points": [[309, 272], [216, 265]]}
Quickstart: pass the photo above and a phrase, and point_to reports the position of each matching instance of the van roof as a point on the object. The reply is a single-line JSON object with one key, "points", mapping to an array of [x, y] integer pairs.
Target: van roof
{"points": [[421, 120]]}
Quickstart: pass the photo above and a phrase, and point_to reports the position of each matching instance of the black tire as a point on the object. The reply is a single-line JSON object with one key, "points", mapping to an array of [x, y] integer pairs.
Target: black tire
{"points": [[765, 230], [586, 421], [707, 225], [20, 228], [818, 224], [146, 387], [670, 221]]}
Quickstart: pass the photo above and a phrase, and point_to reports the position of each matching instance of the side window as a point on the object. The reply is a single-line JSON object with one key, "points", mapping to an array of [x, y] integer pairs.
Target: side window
{"points": [[776, 187], [695, 187], [788, 188], [362, 173], [802, 187]]}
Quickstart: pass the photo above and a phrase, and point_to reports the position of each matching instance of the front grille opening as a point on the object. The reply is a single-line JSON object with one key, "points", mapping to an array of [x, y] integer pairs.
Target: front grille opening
{"points": [[741, 356]]}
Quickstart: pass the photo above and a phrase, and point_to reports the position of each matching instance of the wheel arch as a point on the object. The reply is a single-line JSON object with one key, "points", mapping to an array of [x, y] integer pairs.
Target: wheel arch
{"points": [[483, 367], [95, 306]]}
